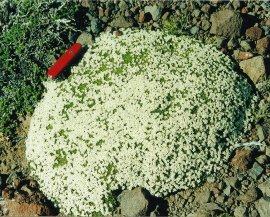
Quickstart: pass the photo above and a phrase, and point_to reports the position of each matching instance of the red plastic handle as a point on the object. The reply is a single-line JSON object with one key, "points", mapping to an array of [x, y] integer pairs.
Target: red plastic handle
{"points": [[64, 60]]}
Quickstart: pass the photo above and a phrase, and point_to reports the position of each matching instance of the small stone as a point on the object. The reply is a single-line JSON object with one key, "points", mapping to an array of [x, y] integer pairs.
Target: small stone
{"points": [[254, 68], [233, 181], [95, 25], [242, 159], [263, 207], [267, 23], [185, 194], [262, 159], [133, 202], [245, 45], [27, 190], [165, 15], [106, 12], [240, 211], [200, 213], [141, 17], [220, 42], [210, 179], [267, 151], [220, 199], [154, 10], [265, 187], [250, 196], [227, 190], [203, 197], [194, 30], [85, 39], [28, 209], [100, 12], [182, 5], [206, 8], [196, 13], [254, 33], [232, 43], [205, 25], [123, 5], [244, 10], [226, 23], [263, 44], [85, 3], [211, 206], [121, 22], [242, 55], [236, 4], [256, 171], [254, 213]]}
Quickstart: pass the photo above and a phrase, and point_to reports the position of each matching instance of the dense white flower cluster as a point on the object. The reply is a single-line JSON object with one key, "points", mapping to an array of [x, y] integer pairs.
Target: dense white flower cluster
{"points": [[144, 109]]}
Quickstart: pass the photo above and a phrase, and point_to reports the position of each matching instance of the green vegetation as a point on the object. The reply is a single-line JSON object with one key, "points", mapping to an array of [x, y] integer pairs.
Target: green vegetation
{"points": [[60, 158], [178, 24], [35, 32]]}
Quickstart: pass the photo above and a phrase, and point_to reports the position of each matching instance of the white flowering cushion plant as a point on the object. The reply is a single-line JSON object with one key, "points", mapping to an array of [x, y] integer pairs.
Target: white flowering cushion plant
{"points": [[144, 109]]}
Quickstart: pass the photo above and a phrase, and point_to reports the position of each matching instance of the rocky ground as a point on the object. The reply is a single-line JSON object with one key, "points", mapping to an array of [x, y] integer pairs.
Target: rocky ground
{"points": [[240, 29]]}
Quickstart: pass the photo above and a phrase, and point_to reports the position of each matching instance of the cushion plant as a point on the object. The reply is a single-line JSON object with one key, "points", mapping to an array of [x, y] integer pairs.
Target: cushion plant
{"points": [[143, 109]]}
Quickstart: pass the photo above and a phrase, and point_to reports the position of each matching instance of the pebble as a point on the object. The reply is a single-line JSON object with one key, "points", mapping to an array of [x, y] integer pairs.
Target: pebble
{"points": [[220, 42], [154, 10], [123, 5], [133, 202], [262, 159], [194, 30], [256, 171], [245, 45], [220, 199], [211, 206], [233, 182], [263, 207], [267, 151], [95, 25], [250, 196], [227, 190], [254, 213], [226, 23], [232, 43], [206, 8], [240, 211], [267, 23], [196, 13], [203, 197], [141, 17], [236, 4], [121, 22], [242, 55], [254, 68], [254, 33], [265, 187], [27, 190], [263, 45], [85, 39], [260, 132], [205, 25], [266, 30]]}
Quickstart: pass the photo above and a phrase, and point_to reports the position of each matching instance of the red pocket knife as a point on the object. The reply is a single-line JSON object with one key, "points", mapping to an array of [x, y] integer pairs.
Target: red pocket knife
{"points": [[64, 60]]}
